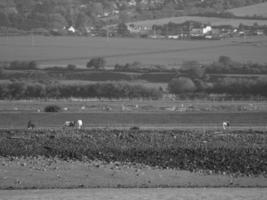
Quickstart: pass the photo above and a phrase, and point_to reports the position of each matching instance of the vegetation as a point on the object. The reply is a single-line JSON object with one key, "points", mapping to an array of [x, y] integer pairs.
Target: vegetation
{"points": [[22, 90], [234, 152], [22, 65], [56, 14], [225, 65], [96, 63], [181, 85], [52, 108], [191, 80], [257, 10]]}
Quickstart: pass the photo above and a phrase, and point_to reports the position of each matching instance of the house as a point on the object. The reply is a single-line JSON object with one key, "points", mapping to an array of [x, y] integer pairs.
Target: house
{"points": [[133, 28], [173, 37], [259, 32], [71, 29], [131, 3], [200, 32]]}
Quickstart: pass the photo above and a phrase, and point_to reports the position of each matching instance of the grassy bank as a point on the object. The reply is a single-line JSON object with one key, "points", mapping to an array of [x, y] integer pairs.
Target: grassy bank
{"points": [[229, 152]]}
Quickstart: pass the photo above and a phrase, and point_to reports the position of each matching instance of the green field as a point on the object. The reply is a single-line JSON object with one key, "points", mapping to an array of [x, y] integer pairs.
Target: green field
{"points": [[253, 10], [206, 20], [60, 51], [145, 119], [135, 105]]}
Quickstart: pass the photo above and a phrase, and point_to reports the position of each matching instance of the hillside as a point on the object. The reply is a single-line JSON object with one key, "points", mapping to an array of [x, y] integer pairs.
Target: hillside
{"points": [[207, 20], [86, 14], [253, 10]]}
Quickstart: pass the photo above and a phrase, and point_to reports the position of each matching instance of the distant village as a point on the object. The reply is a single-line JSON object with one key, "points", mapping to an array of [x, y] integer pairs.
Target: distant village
{"points": [[116, 18], [188, 30]]}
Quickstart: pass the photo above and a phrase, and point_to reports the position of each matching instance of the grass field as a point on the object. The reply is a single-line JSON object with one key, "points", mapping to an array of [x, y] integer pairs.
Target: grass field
{"points": [[60, 51], [206, 20], [257, 9], [140, 194], [143, 119], [134, 105]]}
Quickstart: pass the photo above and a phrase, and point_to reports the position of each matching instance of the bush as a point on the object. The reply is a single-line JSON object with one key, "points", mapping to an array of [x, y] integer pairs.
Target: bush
{"points": [[71, 67], [181, 85], [22, 90], [96, 63], [52, 108], [23, 65], [193, 69]]}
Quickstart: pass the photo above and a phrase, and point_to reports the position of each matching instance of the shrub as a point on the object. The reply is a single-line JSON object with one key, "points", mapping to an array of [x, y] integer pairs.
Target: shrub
{"points": [[96, 63], [181, 85], [225, 60], [23, 65], [193, 69], [71, 67], [52, 108]]}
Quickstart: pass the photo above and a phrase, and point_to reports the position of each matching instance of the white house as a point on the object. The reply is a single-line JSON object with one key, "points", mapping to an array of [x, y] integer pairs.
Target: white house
{"points": [[132, 3], [71, 29], [133, 28]]}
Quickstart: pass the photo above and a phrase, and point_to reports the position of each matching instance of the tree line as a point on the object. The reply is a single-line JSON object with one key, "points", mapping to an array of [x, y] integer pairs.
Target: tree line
{"points": [[233, 87], [23, 90]]}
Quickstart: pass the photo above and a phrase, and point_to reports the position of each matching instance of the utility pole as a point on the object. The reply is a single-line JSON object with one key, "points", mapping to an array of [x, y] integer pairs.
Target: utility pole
{"points": [[107, 34], [7, 25]]}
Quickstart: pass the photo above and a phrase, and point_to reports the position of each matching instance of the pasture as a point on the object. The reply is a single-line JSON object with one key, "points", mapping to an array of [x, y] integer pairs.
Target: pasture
{"points": [[252, 10], [206, 20], [166, 104], [60, 51], [154, 120]]}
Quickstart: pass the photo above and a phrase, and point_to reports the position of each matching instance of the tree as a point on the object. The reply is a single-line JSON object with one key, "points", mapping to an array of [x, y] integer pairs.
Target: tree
{"points": [[193, 69], [57, 21], [96, 63], [1, 71], [71, 67], [82, 20], [52, 108], [123, 30], [32, 65], [181, 85], [225, 60]]}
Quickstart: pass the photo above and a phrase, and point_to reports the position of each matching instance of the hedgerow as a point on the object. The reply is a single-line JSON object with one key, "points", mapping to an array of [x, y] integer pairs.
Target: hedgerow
{"points": [[240, 153], [23, 90]]}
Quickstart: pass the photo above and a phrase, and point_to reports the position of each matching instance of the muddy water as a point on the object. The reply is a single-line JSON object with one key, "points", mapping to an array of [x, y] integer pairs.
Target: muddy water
{"points": [[138, 194]]}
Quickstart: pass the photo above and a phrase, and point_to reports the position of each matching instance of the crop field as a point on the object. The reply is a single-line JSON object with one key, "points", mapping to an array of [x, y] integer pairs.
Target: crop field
{"points": [[257, 9], [223, 152], [60, 51], [243, 120]]}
